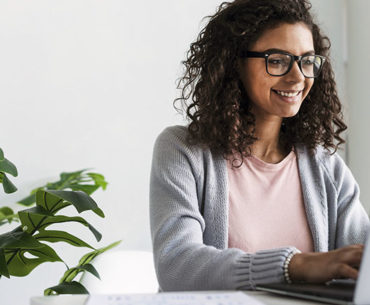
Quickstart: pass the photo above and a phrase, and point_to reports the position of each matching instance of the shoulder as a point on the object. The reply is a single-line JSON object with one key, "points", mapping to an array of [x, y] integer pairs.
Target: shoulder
{"points": [[321, 157], [172, 148], [175, 138], [176, 134], [325, 162]]}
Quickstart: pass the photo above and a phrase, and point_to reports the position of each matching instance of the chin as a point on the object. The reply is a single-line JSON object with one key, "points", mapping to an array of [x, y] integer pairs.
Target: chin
{"points": [[290, 114]]}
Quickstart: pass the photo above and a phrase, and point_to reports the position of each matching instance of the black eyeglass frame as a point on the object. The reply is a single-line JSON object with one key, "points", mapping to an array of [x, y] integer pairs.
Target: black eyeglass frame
{"points": [[265, 55]]}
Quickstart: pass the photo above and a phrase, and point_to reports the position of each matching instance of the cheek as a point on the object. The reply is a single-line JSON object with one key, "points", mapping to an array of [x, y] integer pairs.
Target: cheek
{"points": [[257, 92], [255, 79], [308, 86], [258, 85]]}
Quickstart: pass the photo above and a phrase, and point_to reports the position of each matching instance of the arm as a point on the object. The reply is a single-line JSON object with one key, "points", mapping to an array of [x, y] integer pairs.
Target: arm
{"points": [[182, 260], [353, 221], [352, 226]]}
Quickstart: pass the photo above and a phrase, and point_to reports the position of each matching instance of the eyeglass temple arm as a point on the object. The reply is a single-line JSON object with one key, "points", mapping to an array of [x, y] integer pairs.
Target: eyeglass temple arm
{"points": [[253, 54]]}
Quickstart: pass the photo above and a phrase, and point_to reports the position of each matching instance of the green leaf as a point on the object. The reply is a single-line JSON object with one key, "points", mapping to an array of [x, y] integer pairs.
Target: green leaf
{"points": [[29, 200], [98, 179], [67, 288], [84, 266], [91, 269], [84, 263], [67, 179], [75, 181], [86, 188], [1, 154], [16, 244], [9, 219], [87, 258], [70, 176], [60, 236], [3, 267], [8, 167], [18, 239], [6, 211], [53, 201], [50, 202], [8, 186], [7, 215], [20, 265], [38, 219], [71, 273]]}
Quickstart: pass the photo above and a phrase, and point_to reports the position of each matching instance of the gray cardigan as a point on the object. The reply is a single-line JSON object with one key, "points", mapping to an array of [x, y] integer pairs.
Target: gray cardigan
{"points": [[189, 216]]}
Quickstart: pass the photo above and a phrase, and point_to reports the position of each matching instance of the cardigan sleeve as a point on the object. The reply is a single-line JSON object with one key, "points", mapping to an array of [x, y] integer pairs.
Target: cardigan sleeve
{"points": [[353, 221], [182, 260]]}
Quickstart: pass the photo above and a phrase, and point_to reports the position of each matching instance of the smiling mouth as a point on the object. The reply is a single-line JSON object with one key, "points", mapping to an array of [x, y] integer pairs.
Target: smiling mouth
{"points": [[288, 93]]}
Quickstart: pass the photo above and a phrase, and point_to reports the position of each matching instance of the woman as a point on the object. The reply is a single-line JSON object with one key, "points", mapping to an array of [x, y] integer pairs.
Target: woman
{"points": [[252, 191]]}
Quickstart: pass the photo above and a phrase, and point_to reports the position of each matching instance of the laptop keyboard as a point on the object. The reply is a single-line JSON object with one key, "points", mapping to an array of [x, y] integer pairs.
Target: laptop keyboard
{"points": [[339, 290]]}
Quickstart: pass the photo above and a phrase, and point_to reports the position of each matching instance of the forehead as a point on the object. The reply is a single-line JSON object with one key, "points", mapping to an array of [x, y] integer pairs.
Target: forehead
{"points": [[294, 38]]}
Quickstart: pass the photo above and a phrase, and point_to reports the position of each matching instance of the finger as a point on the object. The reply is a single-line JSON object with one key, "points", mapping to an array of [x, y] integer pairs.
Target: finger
{"points": [[345, 271], [351, 256], [351, 247], [355, 259], [357, 247]]}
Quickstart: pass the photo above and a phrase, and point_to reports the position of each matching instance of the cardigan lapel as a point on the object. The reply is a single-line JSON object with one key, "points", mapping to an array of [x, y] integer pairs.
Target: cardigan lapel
{"points": [[314, 197]]}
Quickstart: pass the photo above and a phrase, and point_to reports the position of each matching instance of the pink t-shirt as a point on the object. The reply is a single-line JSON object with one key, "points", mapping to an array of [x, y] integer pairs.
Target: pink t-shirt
{"points": [[266, 208]]}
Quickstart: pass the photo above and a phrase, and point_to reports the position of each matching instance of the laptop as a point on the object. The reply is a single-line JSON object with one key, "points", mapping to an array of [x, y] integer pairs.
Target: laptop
{"points": [[333, 292]]}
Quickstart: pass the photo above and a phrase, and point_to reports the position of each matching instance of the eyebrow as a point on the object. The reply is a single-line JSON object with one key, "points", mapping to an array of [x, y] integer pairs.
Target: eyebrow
{"points": [[310, 52]]}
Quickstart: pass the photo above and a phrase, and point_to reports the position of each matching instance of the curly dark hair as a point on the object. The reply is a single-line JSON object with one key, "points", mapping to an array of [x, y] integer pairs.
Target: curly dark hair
{"points": [[215, 100]]}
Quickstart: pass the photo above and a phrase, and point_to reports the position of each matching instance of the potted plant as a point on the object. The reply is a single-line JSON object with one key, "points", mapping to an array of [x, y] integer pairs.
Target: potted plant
{"points": [[28, 245]]}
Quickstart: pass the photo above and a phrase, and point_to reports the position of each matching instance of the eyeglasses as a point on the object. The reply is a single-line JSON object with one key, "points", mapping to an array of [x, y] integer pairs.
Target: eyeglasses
{"points": [[280, 63]]}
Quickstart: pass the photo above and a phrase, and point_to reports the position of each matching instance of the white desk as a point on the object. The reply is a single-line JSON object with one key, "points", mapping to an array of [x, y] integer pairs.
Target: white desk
{"points": [[266, 298]]}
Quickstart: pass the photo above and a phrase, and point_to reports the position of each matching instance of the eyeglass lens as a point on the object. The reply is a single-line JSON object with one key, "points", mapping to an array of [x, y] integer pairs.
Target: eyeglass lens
{"points": [[279, 64]]}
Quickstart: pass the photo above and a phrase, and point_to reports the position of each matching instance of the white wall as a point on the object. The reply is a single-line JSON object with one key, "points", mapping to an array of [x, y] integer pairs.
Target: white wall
{"points": [[88, 83], [359, 96]]}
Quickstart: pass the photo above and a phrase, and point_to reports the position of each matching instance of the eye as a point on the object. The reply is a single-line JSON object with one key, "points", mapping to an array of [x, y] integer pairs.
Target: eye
{"points": [[275, 61], [309, 60], [278, 60]]}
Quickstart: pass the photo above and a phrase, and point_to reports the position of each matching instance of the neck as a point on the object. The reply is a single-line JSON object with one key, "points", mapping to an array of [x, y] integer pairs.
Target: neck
{"points": [[268, 146]]}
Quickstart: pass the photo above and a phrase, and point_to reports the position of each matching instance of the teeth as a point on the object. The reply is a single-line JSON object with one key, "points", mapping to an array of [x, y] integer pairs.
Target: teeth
{"points": [[288, 94]]}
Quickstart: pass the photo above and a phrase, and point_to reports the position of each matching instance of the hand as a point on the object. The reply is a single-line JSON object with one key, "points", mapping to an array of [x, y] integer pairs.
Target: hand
{"points": [[320, 267]]}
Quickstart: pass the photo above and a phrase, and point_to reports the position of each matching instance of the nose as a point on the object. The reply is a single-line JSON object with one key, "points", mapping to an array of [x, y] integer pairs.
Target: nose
{"points": [[295, 74]]}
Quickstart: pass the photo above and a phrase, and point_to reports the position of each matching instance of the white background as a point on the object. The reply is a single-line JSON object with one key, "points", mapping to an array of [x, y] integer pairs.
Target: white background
{"points": [[90, 84]]}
